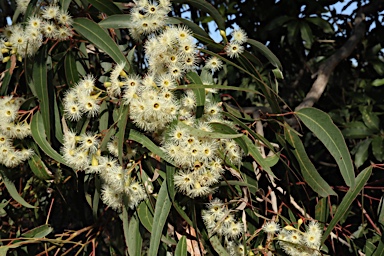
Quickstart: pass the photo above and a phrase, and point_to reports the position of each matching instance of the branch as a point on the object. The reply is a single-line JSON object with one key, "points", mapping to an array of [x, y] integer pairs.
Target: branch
{"points": [[327, 67]]}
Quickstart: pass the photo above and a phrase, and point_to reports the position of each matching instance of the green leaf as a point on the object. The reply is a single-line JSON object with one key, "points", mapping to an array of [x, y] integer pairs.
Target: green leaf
{"points": [[380, 249], [41, 86], [356, 130], [103, 116], [208, 8], [308, 170], [182, 213], [6, 79], [322, 210], [181, 248], [39, 169], [170, 171], [65, 4], [266, 52], [377, 148], [362, 152], [97, 36], [133, 237], [145, 215], [378, 82], [39, 232], [349, 197], [326, 131], [146, 142], [199, 93], [371, 120], [12, 190], [293, 30], [162, 208], [306, 34], [121, 124], [380, 211], [225, 129], [117, 21], [39, 136], [255, 153], [70, 69], [105, 6], [325, 25], [215, 242]]}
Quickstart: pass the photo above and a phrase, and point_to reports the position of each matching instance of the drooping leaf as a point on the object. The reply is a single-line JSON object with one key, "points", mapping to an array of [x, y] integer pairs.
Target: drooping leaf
{"points": [[321, 210], [12, 189], [6, 79], [181, 248], [38, 232], [371, 120], [96, 35], [170, 171], [162, 208], [266, 52], [132, 234], [362, 152], [356, 130], [121, 124], [212, 135], [208, 8], [215, 242], [39, 168], [377, 148], [64, 4], [117, 21], [308, 170], [106, 6], [255, 153], [326, 131], [146, 142], [306, 34], [39, 136], [199, 93], [71, 73], [40, 81], [349, 197]]}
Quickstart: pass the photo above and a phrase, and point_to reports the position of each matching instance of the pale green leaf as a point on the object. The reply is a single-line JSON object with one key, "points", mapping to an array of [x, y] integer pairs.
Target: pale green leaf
{"points": [[208, 8], [96, 35], [199, 93], [106, 6], [215, 242], [181, 248], [349, 197], [266, 52], [12, 189], [162, 208], [326, 131], [117, 21], [362, 152], [308, 170], [39, 168], [39, 136], [70, 69], [38, 232]]}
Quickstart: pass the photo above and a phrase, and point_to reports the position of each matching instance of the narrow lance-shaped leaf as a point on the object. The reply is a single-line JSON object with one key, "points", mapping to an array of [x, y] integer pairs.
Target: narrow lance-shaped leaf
{"points": [[96, 35], [121, 124], [352, 193], [266, 52], [38, 232], [134, 240], [208, 8], [181, 248], [40, 81], [162, 208], [199, 93], [71, 73], [117, 21], [321, 125], [38, 168], [12, 190], [39, 136], [308, 170], [105, 6]]}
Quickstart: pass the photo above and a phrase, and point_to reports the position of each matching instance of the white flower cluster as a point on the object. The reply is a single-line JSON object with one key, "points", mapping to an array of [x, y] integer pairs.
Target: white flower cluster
{"points": [[218, 219], [25, 40], [294, 241], [11, 130], [148, 17], [82, 99], [234, 48], [82, 153]]}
